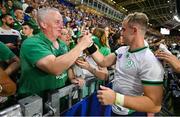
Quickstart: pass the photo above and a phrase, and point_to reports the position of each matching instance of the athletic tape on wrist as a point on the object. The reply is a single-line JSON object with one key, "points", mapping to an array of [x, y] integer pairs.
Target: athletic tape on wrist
{"points": [[119, 99]]}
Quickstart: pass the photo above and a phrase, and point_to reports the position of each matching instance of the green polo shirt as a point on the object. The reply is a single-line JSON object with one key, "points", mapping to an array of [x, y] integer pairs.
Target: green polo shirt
{"points": [[5, 52], [34, 80]]}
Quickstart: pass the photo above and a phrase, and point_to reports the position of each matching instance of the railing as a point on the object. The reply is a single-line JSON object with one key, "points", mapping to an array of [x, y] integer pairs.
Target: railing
{"points": [[33, 105]]}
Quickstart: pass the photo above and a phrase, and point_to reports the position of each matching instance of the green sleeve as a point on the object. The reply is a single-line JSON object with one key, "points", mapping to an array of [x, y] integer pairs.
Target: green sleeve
{"points": [[5, 52], [96, 41], [34, 49], [105, 51]]}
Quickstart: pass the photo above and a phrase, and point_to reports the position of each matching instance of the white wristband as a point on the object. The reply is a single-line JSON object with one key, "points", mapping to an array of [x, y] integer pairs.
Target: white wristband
{"points": [[119, 99]]}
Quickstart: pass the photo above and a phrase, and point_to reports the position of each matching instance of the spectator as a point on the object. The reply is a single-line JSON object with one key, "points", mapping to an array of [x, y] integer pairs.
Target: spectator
{"points": [[26, 4], [171, 59], [137, 85], [101, 41], [43, 56], [19, 19], [27, 30], [118, 41], [65, 36], [7, 86], [10, 7], [9, 36], [31, 18], [3, 11]]}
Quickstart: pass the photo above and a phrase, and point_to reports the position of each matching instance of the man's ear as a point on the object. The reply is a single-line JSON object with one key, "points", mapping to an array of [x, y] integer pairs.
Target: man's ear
{"points": [[43, 25], [32, 30], [135, 29], [3, 19]]}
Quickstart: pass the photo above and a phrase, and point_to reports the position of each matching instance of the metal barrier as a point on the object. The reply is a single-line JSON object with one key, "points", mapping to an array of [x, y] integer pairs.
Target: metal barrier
{"points": [[54, 104], [33, 105], [14, 110]]}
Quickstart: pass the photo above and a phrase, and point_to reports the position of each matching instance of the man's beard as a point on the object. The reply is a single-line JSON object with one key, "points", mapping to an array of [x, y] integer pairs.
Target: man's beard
{"points": [[10, 25]]}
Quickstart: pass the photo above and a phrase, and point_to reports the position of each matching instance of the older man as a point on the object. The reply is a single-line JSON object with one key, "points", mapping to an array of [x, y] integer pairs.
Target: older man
{"points": [[137, 85], [44, 61]]}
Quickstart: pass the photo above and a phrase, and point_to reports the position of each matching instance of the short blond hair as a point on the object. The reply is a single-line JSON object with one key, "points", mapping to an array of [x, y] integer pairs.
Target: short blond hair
{"points": [[137, 18]]}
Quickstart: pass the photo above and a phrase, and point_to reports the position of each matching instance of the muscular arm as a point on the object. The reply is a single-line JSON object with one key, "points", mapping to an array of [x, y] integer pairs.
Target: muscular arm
{"points": [[104, 61], [149, 102]]}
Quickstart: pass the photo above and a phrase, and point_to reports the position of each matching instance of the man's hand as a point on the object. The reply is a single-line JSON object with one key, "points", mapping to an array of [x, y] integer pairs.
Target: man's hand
{"points": [[11, 45], [106, 96], [83, 64], [166, 56], [78, 81], [85, 41], [171, 59]]}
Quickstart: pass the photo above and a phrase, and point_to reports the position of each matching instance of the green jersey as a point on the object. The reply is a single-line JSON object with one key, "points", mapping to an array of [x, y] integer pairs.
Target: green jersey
{"points": [[34, 80]]}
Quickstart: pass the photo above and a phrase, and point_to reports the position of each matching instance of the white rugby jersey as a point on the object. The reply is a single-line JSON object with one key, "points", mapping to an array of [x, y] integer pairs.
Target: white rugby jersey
{"points": [[133, 70], [9, 36]]}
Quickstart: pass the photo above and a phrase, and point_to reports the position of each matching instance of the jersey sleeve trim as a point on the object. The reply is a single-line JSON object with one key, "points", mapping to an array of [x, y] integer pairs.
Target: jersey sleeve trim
{"points": [[116, 53], [152, 83]]}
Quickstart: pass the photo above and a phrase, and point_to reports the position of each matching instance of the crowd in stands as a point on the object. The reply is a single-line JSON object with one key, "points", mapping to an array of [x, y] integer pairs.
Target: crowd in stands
{"points": [[19, 22]]}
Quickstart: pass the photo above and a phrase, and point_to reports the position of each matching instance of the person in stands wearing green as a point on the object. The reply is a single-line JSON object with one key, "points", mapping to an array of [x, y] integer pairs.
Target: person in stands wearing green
{"points": [[44, 63], [101, 40], [19, 19], [88, 65], [27, 30], [30, 17], [6, 55], [7, 86], [66, 38]]}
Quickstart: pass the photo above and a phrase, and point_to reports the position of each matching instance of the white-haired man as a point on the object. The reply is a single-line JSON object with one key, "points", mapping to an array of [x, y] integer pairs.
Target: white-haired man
{"points": [[44, 61]]}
